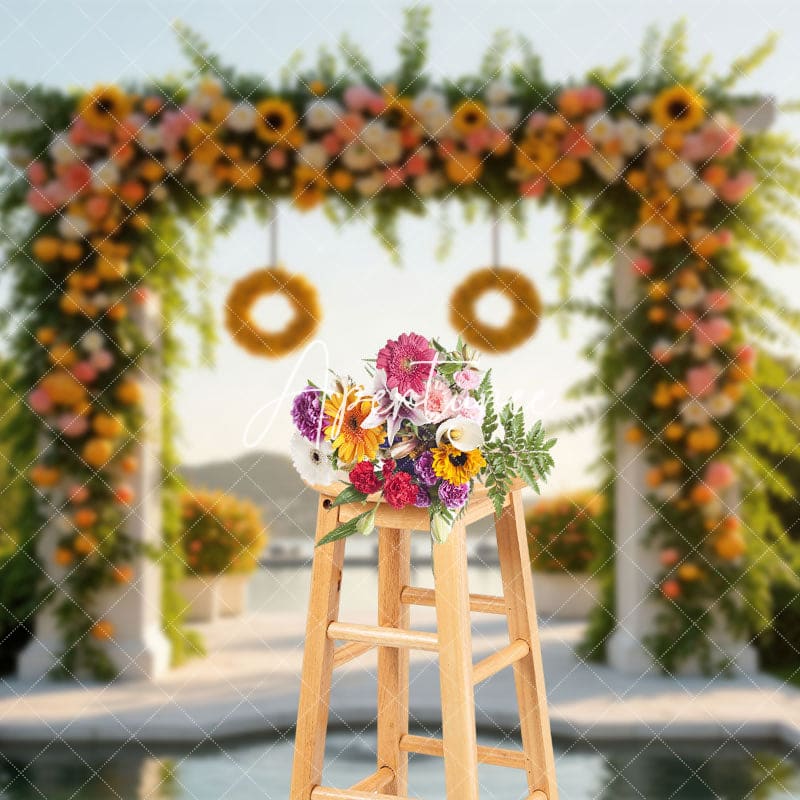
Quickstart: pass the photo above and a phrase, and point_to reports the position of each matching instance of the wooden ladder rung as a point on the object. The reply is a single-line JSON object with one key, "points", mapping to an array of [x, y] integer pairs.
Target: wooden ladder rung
{"points": [[378, 636], [347, 652], [482, 603], [503, 658], [326, 793], [499, 756], [376, 782]]}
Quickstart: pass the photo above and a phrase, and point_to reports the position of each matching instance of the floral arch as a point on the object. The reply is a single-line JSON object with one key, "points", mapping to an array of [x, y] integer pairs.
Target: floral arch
{"points": [[673, 175]]}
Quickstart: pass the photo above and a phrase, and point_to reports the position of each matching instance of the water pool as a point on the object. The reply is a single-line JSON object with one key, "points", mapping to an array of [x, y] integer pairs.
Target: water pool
{"points": [[260, 769]]}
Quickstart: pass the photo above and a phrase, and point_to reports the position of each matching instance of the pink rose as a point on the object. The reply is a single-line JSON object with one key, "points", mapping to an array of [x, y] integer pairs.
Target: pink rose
{"points": [[478, 141], [332, 144], [593, 98], [469, 408], [725, 237], [72, 425], [642, 265], [37, 173], [276, 158], [97, 206], [695, 148], [719, 475], [349, 126], [701, 381], [377, 105], [102, 360], [718, 300], [735, 189], [40, 401], [467, 378], [393, 178], [357, 98], [85, 372], [416, 165], [746, 355], [576, 144], [715, 330], [436, 401], [537, 121]]}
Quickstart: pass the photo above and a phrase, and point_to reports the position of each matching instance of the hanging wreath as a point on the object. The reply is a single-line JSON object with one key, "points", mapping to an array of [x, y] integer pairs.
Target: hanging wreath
{"points": [[512, 284], [300, 293]]}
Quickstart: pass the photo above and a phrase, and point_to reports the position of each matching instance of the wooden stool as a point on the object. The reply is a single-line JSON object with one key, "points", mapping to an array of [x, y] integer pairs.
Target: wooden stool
{"points": [[453, 642]]}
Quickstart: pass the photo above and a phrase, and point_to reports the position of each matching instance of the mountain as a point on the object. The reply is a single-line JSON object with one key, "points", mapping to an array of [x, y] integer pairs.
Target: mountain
{"points": [[270, 481]]}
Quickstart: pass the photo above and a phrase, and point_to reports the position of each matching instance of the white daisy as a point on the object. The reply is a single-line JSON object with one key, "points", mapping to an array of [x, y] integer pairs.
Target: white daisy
{"points": [[62, 151], [356, 156], [151, 138], [698, 195], [314, 155], [105, 175], [389, 149], [639, 103], [312, 463], [678, 175], [429, 103], [242, 118], [694, 412], [322, 115], [504, 117], [651, 236], [600, 127], [609, 168], [498, 91], [719, 405], [688, 296], [91, 341], [629, 133], [373, 133], [71, 226]]}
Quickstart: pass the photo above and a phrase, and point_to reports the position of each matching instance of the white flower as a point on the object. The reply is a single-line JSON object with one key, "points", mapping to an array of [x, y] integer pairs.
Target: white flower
{"points": [[667, 491], [390, 148], [357, 157], [62, 523], [71, 226], [428, 184], [688, 296], [438, 123], [159, 193], [314, 155], [242, 118], [719, 405], [440, 528], [206, 94], [498, 91], [462, 433], [697, 195], [640, 103], [609, 168], [651, 236], [151, 138], [630, 136], [312, 463], [370, 184], [694, 413], [429, 103], [62, 151], [373, 133], [105, 175], [702, 351], [678, 174], [321, 115], [600, 127], [91, 341], [650, 135], [504, 117]]}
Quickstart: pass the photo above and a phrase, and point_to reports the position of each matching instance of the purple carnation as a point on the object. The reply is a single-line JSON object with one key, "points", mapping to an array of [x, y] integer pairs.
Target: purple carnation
{"points": [[423, 498], [453, 495], [424, 469], [307, 413]]}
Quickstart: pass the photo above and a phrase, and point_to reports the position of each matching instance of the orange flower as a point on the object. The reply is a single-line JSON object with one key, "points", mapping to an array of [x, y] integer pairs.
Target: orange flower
{"points": [[102, 630], [565, 172], [97, 452], [463, 168], [347, 411], [46, 248]]}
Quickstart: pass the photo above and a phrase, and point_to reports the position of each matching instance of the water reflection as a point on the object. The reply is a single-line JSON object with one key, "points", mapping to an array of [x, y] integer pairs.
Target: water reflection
{"points": [[242, 770]]}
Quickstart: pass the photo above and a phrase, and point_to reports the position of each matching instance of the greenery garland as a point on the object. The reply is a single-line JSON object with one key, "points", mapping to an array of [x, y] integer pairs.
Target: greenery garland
{"points": [[657, 163]]}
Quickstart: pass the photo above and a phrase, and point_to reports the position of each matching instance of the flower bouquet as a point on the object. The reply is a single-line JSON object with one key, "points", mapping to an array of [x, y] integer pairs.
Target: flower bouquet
{"points": [[424, 434]]}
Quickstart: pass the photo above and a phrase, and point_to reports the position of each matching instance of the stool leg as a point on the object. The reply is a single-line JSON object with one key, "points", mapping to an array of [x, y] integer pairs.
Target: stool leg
{"points": [[315, 687], [394, 564], [515, 568], [455, 666]]}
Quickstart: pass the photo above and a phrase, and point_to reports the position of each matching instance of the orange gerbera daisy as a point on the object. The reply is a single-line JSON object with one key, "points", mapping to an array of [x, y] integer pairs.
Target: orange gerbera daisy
{"points": [[346, 412]]}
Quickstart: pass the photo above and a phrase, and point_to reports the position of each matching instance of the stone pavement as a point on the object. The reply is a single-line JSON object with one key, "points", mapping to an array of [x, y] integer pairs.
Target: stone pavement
{"points": [[249, 683]]}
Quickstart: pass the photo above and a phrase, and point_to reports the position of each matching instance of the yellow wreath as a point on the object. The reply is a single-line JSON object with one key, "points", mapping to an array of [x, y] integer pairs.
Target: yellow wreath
{"points": [[511, 283], [298, 291]]}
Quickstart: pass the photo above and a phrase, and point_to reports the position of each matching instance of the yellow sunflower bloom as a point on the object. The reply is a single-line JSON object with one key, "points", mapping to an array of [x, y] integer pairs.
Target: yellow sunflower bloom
{"points": [[104, 108], [275, 119], [678, 109], [457, 466], [347, 411], [469, 116]]}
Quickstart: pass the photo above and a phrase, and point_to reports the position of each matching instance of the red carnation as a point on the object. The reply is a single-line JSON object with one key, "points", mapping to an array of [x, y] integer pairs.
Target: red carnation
{"points": [[399, 490], [363, 477], [388, 467]]}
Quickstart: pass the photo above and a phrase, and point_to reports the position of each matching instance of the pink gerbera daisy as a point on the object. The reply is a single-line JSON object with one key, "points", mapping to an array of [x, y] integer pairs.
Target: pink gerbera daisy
{"points": [[407, 362]]}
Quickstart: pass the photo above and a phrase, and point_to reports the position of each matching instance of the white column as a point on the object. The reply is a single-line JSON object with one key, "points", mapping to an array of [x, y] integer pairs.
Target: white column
{"points": [[138, 648]]}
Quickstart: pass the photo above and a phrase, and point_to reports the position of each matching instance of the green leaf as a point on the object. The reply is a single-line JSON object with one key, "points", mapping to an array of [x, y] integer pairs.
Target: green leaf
{"points": [[344, 530], [348, 495]]}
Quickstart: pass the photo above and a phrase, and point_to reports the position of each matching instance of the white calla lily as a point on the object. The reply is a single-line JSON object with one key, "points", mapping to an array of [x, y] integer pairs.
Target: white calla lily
{"points": [[463, 434]]}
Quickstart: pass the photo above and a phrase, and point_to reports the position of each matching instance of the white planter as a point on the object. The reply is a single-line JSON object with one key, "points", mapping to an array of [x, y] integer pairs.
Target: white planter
{"points": [[564, 595], [233, 593], [201, 596]]}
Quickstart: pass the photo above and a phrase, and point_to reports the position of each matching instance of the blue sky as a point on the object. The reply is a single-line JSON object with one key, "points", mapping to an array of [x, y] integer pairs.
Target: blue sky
{"points": [[366, 298]]}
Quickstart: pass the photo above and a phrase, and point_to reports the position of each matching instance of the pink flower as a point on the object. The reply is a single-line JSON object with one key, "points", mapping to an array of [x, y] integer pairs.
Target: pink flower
{"points": [[695, 148], [47, 199], [82, 134], [735, 189], [721, 140], [576, 144], [85, 372], [715, 330], [469, 408], [701, 381], [72, 425], [718, 300], [467, 378], [593, 97], [662, 351], [409, 138], [76, 177], [746, 355], [725, 237], [477, 141], [40, 401], [533, 188], [276, 158], [332, 144], [437, 400], [537, 121], [78, 494], [407, 362], [377, 105], [719, 475], [37, 173], [357, 98], [349, 126], [642, 265], [102, 360], [393, 178], [97, 206], [416, 165]]}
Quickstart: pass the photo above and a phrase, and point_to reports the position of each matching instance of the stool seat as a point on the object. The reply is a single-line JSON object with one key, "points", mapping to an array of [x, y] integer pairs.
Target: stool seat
{"points": [[393, 639]]}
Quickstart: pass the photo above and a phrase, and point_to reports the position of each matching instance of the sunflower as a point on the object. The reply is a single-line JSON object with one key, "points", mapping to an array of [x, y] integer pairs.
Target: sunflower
{"points": [[469, 116], [104, 108], [678, 109], [347, 411], [275, 119], [457, 466]]}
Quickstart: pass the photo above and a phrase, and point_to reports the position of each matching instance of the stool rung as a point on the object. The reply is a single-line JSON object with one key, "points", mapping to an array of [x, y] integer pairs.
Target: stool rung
{"points": [[326, 793], [499, 756], [483, 603], [347, 652], [503, 658], [378, 636], [375, 782]]}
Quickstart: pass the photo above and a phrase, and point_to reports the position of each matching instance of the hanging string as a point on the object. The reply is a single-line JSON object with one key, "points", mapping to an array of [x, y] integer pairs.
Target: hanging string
{"points": [[273, 237], [495, 238]]}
